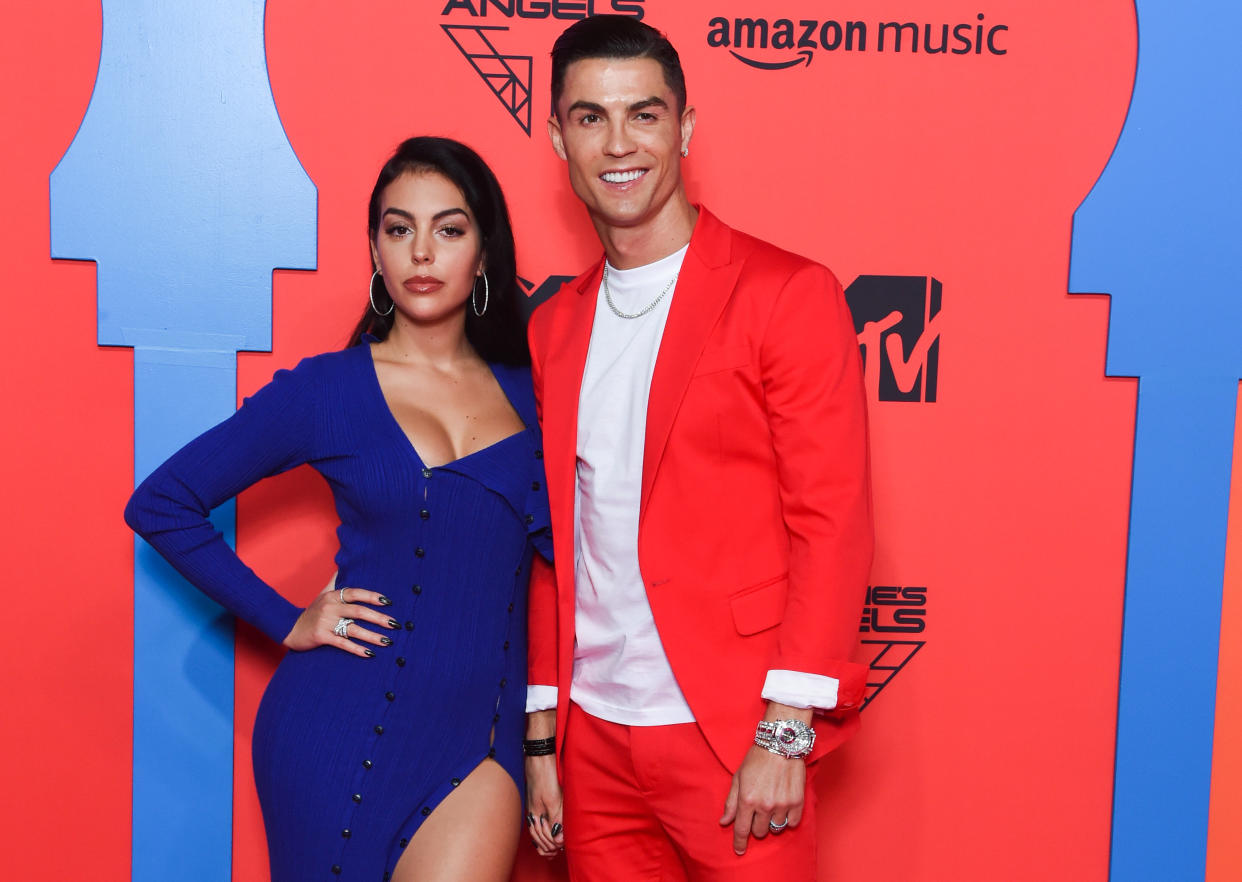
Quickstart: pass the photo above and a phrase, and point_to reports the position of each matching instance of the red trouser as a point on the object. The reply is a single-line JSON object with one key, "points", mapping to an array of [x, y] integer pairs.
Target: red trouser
{"points": [[644, 803]]}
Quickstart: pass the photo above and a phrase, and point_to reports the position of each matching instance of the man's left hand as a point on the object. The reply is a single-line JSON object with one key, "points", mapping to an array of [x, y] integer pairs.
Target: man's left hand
{"points": [[767, 789]]}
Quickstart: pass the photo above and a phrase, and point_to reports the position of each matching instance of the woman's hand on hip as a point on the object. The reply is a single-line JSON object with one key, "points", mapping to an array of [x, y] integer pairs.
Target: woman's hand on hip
{"points": [[318, 623]]}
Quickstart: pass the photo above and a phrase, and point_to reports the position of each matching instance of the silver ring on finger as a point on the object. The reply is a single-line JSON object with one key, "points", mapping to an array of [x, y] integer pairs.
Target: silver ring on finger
{"points": [[341, 593], [776, 828], [342, 627]]}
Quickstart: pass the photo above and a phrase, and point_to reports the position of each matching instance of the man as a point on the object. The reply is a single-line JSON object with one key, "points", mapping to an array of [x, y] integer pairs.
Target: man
{"points": [[704, 419]]}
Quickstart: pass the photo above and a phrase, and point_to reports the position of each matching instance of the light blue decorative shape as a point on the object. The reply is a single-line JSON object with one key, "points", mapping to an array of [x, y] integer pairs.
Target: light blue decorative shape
{"points": [[1159, 232], [182, 185]]}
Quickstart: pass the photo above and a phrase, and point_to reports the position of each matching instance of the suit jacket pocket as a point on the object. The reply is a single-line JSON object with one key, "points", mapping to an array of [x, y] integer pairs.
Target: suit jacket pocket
{"points": [[759, 607], [724, 358]]}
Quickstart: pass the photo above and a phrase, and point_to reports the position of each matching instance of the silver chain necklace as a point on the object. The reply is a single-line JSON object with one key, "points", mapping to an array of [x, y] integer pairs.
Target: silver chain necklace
{"points": [[642, 312]]}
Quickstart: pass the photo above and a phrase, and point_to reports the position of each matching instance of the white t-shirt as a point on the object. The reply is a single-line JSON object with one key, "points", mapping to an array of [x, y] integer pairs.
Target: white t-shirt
{"points": [[621, 673]]}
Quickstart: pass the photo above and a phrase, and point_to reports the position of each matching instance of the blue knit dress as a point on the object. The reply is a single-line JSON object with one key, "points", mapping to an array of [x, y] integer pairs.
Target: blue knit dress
{"points": [[352, 754]]}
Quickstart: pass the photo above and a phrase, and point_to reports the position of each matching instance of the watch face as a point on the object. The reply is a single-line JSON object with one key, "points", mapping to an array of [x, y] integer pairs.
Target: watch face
{"points": [[795, 740]]}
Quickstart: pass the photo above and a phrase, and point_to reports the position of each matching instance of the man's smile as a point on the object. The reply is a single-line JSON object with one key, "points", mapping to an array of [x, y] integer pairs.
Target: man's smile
{"points": [[623, 177]]}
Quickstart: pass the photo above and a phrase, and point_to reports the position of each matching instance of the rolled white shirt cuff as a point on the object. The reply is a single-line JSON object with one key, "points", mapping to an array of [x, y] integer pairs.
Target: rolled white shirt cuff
{"points": [[539, 698], [793, 688]]}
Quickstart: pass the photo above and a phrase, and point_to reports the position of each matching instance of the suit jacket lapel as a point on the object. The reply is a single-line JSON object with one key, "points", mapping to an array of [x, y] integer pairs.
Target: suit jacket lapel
{"points": [[703, 288], [568, 342]]}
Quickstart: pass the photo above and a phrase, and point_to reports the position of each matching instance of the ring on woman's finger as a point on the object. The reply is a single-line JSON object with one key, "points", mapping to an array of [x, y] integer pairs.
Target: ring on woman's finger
{"points": [[776, 828], [341, 593], [342, 627]]}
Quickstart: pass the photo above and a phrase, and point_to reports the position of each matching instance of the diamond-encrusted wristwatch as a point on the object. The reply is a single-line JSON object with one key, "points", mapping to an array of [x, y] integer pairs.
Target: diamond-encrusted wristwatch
{"points": [[792, 739]]}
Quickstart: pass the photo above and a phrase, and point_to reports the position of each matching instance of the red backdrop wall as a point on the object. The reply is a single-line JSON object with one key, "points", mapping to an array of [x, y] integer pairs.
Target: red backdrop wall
{"points": [[989, 755]]}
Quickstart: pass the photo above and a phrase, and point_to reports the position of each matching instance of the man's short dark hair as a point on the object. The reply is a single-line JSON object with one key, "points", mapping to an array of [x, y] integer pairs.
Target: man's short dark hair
{"points": [[615, 36]]}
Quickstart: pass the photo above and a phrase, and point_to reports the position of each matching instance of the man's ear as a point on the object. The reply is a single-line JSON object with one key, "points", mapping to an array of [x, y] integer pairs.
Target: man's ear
{"points": [[687, 128], [554, 132]]}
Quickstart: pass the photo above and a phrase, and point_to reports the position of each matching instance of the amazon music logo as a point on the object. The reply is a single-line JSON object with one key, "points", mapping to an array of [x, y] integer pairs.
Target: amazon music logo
{"points": [[505, 72], [775, 44], [897, 322], [894, 614]]}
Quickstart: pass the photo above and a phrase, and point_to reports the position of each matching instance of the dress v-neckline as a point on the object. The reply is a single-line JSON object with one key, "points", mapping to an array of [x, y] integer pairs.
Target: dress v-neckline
{"points": [[409, 442]]}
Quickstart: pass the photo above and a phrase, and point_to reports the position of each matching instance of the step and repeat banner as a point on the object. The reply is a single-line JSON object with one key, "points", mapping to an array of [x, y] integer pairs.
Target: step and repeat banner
{"points": [[1052, 388]]}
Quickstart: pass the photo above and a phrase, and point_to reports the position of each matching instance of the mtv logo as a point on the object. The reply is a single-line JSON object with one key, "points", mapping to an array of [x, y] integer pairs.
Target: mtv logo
{"points": [[537, 294], [895, 318]]}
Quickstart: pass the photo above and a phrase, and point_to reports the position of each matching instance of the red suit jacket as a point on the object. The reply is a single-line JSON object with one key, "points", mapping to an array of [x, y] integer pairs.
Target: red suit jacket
{"points": [[755, 536]]}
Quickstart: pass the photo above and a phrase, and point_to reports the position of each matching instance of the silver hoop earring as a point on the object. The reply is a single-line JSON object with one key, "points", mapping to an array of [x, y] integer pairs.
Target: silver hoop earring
{"points": [[371, 297], [474, 296]]}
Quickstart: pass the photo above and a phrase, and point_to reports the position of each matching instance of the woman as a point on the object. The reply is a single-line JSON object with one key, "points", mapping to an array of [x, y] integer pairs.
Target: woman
{"points": [[388, 743]]}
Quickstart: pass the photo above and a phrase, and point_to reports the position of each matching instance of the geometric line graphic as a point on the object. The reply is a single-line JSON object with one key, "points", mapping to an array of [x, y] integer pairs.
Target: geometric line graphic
{"points": [[890, 657], [510, 84], [182, 186]]}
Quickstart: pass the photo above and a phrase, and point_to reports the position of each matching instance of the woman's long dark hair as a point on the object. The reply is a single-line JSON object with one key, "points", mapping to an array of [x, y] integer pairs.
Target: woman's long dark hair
{"points": [[499, 334]]}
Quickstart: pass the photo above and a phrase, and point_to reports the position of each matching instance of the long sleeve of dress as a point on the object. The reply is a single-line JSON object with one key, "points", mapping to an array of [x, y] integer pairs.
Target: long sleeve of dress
{"points": [[273, 431]]}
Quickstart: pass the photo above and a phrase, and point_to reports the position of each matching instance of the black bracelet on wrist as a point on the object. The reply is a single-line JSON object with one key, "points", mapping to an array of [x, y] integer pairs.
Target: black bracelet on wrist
{"points": [[539, 746]]}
